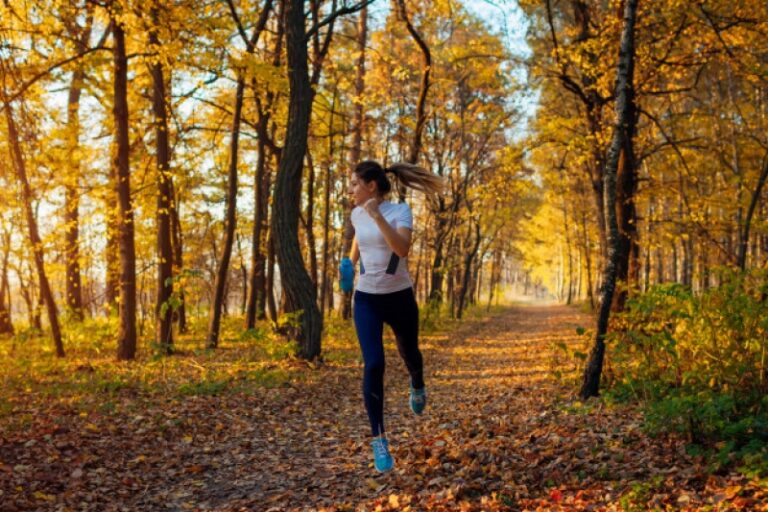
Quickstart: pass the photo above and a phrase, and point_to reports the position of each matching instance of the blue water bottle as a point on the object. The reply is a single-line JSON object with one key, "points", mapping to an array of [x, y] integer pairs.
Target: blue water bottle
{"points": [[347, 274]]}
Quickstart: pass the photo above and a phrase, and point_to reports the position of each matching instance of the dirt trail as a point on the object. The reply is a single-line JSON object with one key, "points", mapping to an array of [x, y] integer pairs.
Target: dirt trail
{"points": [[489, 388], [500, 433]]}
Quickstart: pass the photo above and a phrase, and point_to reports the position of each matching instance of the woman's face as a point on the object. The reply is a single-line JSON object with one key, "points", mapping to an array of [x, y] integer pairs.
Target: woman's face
{"points": [[359, 190]]}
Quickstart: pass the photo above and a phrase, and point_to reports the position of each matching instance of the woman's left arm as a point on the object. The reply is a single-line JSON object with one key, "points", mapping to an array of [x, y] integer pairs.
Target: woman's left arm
{"points": [[399, 240]]}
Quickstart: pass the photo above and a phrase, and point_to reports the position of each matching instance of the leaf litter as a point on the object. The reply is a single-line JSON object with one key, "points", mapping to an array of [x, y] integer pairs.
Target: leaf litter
{"points": [[500, 433]]}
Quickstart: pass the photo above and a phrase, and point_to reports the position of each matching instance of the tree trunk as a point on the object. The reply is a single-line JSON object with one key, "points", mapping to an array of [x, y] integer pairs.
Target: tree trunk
{"points": [[126, 337], [624, 94], [74, 297], [111, 249], [744, 238], [593, 105], [243, 275], [310, 223], [688, 257], [35, 242], [214, 321], [297, 285], [165, 256], [436, 278], [26, 290], [257, 266], [588, 261], [255, 296], [72, 200], [569, 265], [626, 213], [468, 263], [271, 304], [178, 257], [357, 141], [426, 69], [6, 323], [326, 289], [493, 281]]}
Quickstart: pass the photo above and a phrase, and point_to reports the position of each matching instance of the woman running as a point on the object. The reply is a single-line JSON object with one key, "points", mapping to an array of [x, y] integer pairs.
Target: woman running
{"points": [[384, 290]]}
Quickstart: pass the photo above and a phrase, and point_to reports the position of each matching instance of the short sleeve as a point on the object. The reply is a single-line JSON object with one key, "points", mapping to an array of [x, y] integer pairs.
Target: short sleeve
{"points": [[405, 217], [353, 216]]}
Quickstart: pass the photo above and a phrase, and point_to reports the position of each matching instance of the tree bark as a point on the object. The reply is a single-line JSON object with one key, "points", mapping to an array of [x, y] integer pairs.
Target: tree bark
{"points": [[626, 213], [72, 200], [36, 243], [468, 264], [569, 265], [74, 297], [178, 257], [220, 294], [624, 94], [214, 320], [744, 238], [126, 337], [256, 289], [588, 260], [310, 221], [257, 300], [493, 281], [356, 148], [27, 291], [271, 303], [325, 288], [243, 275], [300, 292], [165, 256], [421, 118], [438, 261], [111, 249], [6, 323]]}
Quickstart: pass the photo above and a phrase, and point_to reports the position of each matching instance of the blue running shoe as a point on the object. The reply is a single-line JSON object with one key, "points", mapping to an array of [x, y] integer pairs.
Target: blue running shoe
{"points": [[382, 460], [418, 400]]}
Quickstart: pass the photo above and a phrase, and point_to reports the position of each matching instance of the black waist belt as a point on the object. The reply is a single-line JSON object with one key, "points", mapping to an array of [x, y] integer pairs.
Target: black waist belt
{"points": [[393, 262]]}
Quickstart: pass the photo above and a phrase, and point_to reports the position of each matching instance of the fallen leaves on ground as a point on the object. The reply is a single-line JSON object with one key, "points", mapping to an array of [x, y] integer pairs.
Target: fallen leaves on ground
{"points": [[500, 433]]}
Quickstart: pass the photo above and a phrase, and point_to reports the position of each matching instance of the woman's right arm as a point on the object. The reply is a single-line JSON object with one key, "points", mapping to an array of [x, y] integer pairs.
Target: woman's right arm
{"points": [[354, 253]]}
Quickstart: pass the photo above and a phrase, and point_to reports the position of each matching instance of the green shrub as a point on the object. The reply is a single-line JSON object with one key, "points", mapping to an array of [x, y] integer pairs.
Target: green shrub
{"points": [[698, 362]]}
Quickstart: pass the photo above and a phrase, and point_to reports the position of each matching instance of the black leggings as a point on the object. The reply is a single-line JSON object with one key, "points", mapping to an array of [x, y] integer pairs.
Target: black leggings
{"points": [[371, 312]]}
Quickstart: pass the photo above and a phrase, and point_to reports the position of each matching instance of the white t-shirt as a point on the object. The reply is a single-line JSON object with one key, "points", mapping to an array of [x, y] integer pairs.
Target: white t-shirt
{"points": [[381, 270]]}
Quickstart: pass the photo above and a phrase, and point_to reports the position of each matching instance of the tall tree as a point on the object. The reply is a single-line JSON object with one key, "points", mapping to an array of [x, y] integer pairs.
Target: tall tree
{"points": [[126, 336], [624, 95], [165, 256], [35, 242], [214, 321], [426, 69], [6, 324], [355, 150], [178, 256], [81, 36], [299, 290], [260, 292]]}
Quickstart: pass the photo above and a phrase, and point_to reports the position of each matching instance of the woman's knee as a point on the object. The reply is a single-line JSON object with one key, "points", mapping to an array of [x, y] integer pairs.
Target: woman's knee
{"points": [[374, 367]]}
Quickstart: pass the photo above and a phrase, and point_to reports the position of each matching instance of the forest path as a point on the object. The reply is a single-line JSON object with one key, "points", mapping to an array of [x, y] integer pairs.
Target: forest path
{"points": [[500, 433], [490, 396]]}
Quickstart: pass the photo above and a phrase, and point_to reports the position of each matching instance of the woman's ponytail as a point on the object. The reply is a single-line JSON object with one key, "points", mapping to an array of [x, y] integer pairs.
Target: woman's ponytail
{"points": [[406, 175], [416, 177]]}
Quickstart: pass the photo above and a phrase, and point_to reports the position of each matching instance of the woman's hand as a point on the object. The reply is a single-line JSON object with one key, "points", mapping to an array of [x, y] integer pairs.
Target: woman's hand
{"points": [[399, 240], [372, 208]]}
